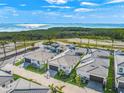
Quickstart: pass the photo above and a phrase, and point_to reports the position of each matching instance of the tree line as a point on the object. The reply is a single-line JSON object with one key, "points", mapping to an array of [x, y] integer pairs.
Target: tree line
{"points": [[64, 32]]}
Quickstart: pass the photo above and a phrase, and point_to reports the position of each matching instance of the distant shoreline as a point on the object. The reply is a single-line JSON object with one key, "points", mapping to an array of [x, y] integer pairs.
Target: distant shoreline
{"points": [[26, 27]]}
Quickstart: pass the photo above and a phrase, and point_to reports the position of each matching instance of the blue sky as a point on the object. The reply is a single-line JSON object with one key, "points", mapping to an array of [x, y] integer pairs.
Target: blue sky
{"points": [[61, 11]]}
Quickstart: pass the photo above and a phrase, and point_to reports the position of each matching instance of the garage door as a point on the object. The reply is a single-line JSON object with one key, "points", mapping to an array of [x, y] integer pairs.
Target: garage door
{"points": [[121, 85], [97, 79], [53, 68]]}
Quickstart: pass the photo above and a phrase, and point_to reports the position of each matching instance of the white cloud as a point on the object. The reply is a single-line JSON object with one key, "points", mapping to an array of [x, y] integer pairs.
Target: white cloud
{"points": [[2, 4], [115, 1], [83, 10], [74, 16], [57, 1], [22, 4], [62, 7], [68, 16], [89, 4]]}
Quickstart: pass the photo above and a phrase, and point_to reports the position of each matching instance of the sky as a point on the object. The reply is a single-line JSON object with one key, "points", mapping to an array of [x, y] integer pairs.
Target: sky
{"points": [[62, 11]]}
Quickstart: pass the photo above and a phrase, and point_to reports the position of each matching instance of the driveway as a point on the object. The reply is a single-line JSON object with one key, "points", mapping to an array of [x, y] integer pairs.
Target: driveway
{"points": [[69, 88]]}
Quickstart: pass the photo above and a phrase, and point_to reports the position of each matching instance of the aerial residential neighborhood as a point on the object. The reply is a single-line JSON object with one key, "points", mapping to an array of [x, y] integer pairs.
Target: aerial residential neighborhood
{"points": [[61, 46], [63, 65]]}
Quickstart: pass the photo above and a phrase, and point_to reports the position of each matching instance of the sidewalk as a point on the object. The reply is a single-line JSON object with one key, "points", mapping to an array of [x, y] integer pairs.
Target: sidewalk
{"points": [[69, 88]]}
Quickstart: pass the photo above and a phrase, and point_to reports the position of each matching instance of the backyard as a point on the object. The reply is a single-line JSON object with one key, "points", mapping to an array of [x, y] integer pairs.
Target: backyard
{"points": [[41, 70]]}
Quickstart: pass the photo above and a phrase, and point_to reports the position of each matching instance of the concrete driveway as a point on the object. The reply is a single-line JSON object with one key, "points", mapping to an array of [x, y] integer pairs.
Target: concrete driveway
{"points": [[40, 78]]}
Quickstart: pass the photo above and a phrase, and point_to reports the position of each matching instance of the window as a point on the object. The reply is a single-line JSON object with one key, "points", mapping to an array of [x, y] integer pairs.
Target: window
{"points": [[3, 85], [121, 70], [64, 67]]}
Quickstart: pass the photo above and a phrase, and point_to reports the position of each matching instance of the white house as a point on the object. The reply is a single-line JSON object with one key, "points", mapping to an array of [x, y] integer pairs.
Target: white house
{"points": [[38, 57], [94, 67], [66, 60], [119, 71]]}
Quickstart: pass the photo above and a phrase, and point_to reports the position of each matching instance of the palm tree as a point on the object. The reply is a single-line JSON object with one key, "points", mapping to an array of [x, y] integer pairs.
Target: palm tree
{"points": [[23, 38], [88, 42], [49, 38], [60, 89], [96, 42], [112, 43], [56, 89], [3, 43], [15, 46], [33, 44]]}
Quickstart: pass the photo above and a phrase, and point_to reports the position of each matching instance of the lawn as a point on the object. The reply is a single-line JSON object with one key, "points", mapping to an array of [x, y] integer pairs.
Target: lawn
{"points": [[19, 62], [17, 77], [37, 70]]}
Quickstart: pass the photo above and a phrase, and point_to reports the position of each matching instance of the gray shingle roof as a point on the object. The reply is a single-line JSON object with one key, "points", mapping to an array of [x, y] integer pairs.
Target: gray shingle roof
{"points": [[98, 67], [40, 55], [24, 86], [66, 60], [5, 77]]}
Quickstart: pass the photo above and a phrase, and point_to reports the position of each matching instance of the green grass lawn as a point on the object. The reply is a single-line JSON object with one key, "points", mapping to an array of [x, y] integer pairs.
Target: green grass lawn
{"points": [[16, 77], [37, 70], [19, 62], [109, 88]]}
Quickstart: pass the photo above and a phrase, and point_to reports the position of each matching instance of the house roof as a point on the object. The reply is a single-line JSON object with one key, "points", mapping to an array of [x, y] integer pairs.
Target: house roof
{"points": [[40, 55], [100, 52], [68, 59], [120, 78], [4, 77], [119, 61], [99, 67], [24, 86]]}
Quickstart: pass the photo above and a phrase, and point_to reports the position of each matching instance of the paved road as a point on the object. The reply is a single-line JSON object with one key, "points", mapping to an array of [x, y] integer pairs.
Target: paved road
{"points": [[15, 58], [69, 88]]}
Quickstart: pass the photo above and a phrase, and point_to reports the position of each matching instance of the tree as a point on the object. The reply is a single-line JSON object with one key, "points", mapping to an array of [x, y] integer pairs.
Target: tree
{"points": [[96, 42], [23, 38], [78, 80], [88, 42], [15, 46], [112, 43], [33, 44], [56, 89], [49, 38], [73, 75], [3, 43], [61, 73], [60, 89]]}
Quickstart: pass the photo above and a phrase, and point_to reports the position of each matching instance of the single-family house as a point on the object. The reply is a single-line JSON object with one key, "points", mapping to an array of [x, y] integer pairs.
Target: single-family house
{"points": [[94, 68], [119, 71], [5, 78], [38, 57], [66, 60]]}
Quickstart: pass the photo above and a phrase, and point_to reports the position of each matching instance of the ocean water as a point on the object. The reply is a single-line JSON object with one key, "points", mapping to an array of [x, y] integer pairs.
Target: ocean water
{"points": [[25, 27]]}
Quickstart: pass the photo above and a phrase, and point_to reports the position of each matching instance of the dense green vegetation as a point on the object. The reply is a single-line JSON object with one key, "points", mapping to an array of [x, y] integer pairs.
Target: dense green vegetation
{"points": [[64, 32], [109, 88], [73, 78]]}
